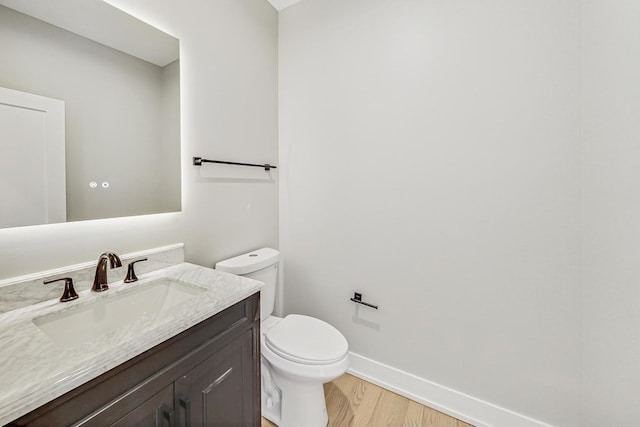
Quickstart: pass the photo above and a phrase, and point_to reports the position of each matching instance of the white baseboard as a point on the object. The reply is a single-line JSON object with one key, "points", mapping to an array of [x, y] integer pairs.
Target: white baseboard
{"points": [[459, 405]]}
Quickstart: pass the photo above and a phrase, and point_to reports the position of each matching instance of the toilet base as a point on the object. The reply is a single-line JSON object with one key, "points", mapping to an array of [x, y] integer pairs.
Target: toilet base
{"points": [[301, 404], [270, 394]]}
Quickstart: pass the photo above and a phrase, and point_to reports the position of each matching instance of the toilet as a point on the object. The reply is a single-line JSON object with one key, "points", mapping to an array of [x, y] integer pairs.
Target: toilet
{"points": [[299, 353]]}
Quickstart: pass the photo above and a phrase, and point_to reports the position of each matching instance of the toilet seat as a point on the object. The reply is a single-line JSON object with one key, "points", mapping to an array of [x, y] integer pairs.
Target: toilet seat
{"points": [[306, 340]]}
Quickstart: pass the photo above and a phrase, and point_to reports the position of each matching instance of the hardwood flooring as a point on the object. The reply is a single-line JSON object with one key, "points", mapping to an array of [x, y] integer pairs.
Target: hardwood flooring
{"points": [[352, 402]]}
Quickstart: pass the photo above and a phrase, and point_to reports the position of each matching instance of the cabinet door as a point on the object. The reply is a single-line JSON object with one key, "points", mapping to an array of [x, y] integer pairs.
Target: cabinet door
{"points": [[155, 412], [219, 391]]}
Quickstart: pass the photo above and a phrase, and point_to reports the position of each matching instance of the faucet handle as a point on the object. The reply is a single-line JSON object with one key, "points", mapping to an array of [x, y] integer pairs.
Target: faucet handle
{"points": [[69, 293], [131, 274]]}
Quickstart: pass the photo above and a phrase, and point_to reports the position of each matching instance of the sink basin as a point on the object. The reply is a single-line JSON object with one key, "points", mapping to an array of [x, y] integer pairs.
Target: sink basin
{"points": [[89, 321]]}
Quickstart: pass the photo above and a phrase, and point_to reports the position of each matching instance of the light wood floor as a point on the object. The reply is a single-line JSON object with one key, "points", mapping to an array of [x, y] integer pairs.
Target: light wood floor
{"points": [[352, 402]]}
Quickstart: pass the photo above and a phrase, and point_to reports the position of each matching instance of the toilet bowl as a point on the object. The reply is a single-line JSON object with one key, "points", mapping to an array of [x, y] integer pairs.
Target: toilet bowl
{"points": [[299, 353]]}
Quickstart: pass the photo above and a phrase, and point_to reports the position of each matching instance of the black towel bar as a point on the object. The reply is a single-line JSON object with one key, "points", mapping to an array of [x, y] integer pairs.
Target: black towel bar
{"points": [[198, 161]]}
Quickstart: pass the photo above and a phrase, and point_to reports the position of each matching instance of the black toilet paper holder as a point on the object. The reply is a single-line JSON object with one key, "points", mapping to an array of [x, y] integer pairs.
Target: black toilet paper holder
{"points": [[357, 298]]}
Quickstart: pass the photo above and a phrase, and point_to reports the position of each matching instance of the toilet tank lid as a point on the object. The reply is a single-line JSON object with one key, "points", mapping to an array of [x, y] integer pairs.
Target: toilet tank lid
{"points": [[249, 262]]}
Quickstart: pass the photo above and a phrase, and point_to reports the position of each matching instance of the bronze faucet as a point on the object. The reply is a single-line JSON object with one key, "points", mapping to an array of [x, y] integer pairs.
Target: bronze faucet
{"points": [[100, 281]]}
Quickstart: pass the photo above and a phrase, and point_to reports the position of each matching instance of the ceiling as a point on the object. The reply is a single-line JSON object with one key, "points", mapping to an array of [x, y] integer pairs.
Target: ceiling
{"points": [[282, 4]]}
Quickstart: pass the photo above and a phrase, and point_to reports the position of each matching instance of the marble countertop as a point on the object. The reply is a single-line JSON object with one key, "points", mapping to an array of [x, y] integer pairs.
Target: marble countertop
{"points": [[34, 370]]}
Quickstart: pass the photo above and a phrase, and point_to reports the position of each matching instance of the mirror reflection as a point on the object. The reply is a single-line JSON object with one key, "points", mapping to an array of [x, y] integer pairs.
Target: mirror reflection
{"points": [[89, 113]]}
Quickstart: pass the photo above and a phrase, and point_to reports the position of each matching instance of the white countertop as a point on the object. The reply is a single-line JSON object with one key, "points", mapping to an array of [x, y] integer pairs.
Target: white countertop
{"points": [[34, 370]]}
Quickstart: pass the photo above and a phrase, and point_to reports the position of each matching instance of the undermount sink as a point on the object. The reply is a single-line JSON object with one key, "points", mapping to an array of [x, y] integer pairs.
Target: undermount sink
{"points": [[109, 313]]}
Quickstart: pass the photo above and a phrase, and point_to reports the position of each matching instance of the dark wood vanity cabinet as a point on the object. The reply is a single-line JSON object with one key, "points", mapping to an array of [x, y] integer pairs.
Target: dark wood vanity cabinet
{"points": [[208, 375]]}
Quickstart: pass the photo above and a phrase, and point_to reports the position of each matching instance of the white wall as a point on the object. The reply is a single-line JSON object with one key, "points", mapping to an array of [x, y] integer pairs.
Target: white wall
{"points": [[611, 43], [431, 162], [229, 109]]}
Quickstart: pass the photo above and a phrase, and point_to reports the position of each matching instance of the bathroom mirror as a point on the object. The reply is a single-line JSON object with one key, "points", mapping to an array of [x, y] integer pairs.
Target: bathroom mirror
{"points": [[89, 113]]}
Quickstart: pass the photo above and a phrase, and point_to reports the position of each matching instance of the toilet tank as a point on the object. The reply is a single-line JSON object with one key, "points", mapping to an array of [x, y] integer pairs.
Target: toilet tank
{"points": [[259, 265]]}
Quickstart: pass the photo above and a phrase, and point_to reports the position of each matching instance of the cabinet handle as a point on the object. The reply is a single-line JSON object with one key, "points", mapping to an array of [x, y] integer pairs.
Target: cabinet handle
{"points": [[167, 414], [186, 404], [219, 380]]}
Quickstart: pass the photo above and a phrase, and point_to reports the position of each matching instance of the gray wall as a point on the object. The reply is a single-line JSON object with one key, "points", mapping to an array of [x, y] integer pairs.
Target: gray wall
{"points": [[611, 153], [116, 116], [229, 109], [431, 154], [168, 151]]}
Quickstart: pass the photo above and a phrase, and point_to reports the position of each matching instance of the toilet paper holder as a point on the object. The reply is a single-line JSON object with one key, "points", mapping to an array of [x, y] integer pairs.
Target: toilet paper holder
{"points": [[357, 298]]}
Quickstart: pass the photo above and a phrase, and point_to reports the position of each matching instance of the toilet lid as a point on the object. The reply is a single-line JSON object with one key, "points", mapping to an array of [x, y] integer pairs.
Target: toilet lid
{"points": [[307, 340]]}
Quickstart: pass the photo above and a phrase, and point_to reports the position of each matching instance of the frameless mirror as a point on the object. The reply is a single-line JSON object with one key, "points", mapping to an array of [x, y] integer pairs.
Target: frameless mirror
{"points": [[89, 113]]}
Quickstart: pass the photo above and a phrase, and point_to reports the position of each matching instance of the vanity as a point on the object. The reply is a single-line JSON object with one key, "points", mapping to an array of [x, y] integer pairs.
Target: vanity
{"points": [[193, 361]]}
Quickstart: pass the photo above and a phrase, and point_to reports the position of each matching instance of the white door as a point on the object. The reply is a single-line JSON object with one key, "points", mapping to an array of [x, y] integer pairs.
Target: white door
{"points": [[32, 162]]}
